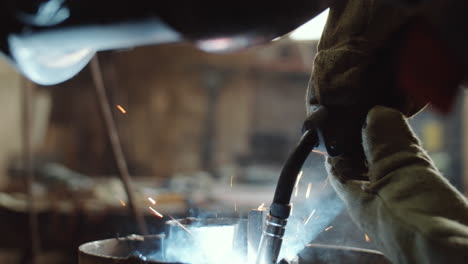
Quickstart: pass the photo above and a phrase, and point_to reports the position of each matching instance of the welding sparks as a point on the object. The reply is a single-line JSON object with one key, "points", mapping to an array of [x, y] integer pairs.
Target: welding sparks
{"points": [[325, 183], [180, 225], [309, 187], [151, 200], [310, 216], [158, 214], [123, 203], [299, 176], [235, 207], [292, 207], [232, 180], [261, 207], [121, 109], [320, 152], [328, 228], [367, 238]]}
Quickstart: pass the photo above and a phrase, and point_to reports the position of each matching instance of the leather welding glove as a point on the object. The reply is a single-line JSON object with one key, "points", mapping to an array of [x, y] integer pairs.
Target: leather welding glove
{"points": [[407, 207]]}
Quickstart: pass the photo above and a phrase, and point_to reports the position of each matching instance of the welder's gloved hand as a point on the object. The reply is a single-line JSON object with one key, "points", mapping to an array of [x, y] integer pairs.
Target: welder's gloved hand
{"points": [[407, 207]]}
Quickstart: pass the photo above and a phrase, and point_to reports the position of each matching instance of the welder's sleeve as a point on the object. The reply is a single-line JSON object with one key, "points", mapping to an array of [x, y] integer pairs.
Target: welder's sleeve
{"points": [[407, 207]]}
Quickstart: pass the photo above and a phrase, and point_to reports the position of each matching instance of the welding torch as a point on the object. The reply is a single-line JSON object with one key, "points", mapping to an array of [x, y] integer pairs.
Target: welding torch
{"points": [[272, 236], [335, 130]]}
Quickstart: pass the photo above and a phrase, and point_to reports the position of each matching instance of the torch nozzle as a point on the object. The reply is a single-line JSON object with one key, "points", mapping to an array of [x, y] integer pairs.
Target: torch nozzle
{"points": [[272, 238]]}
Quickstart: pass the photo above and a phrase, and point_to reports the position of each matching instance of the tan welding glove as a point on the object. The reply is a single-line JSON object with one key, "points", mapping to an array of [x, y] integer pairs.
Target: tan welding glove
{"points": [[407, 208]]}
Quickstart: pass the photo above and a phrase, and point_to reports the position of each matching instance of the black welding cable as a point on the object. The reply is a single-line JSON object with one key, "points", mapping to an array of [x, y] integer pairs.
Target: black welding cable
{"points": [[285, 186]]}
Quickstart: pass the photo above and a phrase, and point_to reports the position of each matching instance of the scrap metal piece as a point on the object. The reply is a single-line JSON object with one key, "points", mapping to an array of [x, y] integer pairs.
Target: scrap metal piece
{"points": [[256, 219]]}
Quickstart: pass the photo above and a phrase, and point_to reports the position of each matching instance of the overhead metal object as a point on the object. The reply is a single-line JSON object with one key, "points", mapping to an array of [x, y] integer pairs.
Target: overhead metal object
{"points": [[51, 40]]}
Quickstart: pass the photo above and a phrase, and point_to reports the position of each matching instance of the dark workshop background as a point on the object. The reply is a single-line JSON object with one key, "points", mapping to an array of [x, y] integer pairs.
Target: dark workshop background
{"points": [[195, 124]]}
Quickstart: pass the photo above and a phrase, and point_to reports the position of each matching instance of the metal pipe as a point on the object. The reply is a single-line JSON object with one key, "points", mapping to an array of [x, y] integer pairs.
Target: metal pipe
{"points": [[115, 143], [28, 165]]}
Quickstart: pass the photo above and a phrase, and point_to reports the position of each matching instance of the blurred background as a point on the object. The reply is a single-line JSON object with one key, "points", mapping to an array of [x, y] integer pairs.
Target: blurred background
{"points": [[203, 135]]}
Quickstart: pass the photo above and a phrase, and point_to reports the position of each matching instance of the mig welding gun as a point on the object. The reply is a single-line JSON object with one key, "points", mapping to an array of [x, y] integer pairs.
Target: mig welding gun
{"points": [[334, 130], [272, 237]]}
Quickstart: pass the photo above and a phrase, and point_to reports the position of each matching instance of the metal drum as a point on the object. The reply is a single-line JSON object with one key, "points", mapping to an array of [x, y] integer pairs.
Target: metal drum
{"points": [[128, 250], [212, 240]]}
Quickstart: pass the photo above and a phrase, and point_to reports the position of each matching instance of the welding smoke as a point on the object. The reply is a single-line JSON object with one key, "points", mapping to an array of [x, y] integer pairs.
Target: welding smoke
{"points": [[312, 215]]}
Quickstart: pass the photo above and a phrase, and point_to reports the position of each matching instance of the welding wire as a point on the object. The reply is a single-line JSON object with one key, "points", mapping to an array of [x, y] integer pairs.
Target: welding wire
{"points": [[180, 225], [367, 238], [115, 143], [28, 165], [328, 228], [309, 187], [152, 200], [299, 176], [121, 109], [158, 214], [310, 216]]}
